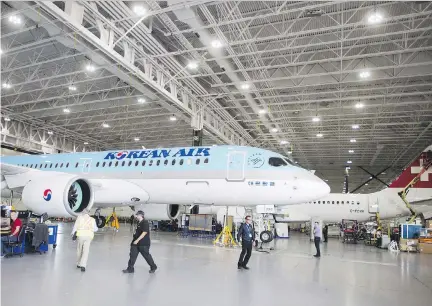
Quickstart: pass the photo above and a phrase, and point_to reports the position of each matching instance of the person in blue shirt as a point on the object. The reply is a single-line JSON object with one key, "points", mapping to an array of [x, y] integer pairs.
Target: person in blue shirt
{"points": [[247, 235]]}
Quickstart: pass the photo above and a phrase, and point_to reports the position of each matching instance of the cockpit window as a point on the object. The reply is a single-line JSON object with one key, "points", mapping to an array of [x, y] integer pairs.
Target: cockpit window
{"points": [[291, 162], [277, 162]]}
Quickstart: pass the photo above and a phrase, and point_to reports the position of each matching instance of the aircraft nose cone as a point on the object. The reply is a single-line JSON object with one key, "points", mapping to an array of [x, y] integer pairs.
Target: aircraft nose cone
{"points": [[319, 187]]}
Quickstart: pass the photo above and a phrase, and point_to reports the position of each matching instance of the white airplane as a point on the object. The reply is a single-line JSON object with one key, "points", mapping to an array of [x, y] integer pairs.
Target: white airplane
{"points": [[337, 206], [66, 184]]}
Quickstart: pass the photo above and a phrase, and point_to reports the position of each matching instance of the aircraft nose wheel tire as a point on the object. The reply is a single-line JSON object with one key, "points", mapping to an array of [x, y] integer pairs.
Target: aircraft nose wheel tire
{"points": [[266, 236]]}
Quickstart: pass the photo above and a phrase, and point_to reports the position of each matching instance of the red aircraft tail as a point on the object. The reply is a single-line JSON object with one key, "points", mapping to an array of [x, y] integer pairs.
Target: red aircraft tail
{"points": [[414, 169]]}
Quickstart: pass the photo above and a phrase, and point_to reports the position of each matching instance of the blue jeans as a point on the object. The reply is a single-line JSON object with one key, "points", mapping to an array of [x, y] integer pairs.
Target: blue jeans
{"points": [[4, 240]]}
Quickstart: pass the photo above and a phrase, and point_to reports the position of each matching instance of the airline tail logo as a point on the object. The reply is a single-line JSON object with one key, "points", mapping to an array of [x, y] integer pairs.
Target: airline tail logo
{"points": [[413, 170], [47, 194]]}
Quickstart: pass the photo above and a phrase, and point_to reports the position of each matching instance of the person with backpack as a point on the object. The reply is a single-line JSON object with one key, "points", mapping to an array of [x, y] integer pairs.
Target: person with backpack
{"points": [[246, 234]]}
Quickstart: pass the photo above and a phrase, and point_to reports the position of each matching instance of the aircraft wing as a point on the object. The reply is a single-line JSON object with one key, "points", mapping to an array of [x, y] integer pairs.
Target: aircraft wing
{"points": [[7, 169]]}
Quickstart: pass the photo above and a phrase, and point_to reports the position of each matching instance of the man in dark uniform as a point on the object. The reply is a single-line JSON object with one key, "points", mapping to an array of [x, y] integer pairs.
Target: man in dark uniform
{"points": [[140, 244], [247, 234], [325, 232]]}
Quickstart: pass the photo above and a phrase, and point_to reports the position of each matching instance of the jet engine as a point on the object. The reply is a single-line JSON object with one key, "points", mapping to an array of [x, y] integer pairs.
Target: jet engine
{"points": [[60, 195], [161, 212]]}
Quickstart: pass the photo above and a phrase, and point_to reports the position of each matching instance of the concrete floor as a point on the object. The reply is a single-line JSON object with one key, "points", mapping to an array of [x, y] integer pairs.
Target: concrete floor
{"points": [[193, 272]]}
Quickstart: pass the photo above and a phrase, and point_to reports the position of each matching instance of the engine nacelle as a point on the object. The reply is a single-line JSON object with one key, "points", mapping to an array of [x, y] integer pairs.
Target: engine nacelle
{"points": [[59, 195], [161, 212]]}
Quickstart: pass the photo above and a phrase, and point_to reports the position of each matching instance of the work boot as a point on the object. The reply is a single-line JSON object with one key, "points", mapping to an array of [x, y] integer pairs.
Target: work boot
{"points": [[78, 267], [128, 270], [83, 269], [153, 270], [239, 266], [317, 256], [245, 267]]}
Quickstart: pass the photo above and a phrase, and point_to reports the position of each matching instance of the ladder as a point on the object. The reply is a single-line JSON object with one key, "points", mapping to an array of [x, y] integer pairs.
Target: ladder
{"points": [[403, 194]]}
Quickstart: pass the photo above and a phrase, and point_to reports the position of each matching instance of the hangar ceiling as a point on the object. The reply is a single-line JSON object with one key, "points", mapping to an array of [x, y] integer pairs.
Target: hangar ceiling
{"points": [[302, 78]]}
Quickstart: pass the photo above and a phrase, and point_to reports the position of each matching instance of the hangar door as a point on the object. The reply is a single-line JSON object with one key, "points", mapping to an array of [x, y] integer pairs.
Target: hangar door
{"points": [[236, 166]]}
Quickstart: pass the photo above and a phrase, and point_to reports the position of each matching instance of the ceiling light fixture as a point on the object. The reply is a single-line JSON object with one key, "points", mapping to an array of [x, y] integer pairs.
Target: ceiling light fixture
{"points": [[86, 143], [283, 142], [316, 119], [50, 133], [105, 125], [355, 126], [216, 44], [366, 184], [136, 139], [14, 19], [7, 85], [173, 118], [262, 111], [359, 105], [141, 100], [1, 51], [192, 65], [364, 74], [245, 86], [350, 151], [349, 161], [353, 140], [319, 135], [139, 10], [66, 110], [289, 152], [72, 88], [375, 18], [274, 130], [7, 119], [90, 68]]}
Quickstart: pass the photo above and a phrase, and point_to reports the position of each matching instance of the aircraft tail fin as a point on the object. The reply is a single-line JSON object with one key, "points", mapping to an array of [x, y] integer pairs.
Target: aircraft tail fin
{"points": [[417, 167]]}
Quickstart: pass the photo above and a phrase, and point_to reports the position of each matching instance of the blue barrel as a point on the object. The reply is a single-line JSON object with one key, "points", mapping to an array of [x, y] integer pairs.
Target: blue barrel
{"points": [[52, 232]]}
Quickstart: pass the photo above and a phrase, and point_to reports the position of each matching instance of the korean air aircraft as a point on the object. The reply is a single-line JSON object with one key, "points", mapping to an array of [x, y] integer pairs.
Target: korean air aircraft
{"points": [[66, 184]]}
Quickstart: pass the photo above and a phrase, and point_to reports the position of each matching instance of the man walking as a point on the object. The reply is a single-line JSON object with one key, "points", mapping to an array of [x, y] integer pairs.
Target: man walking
{"points": [[247, 234], [84, 228], [140, 244], [317, 238], [325, 232]]}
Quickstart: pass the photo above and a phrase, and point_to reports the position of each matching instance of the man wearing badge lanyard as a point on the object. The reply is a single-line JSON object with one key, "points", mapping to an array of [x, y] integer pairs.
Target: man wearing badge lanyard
{"points": [[247, 234]]}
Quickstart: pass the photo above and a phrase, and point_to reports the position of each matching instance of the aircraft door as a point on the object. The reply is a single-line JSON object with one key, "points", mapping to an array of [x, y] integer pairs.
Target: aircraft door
{"points": [[86, 164], [373, 205], [236, 166]]}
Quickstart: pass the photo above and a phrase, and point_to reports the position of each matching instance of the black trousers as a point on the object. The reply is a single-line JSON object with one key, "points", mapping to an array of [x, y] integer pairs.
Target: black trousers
{"points": [[245, 253], [145, 252], [317, 241], [325, 237]]}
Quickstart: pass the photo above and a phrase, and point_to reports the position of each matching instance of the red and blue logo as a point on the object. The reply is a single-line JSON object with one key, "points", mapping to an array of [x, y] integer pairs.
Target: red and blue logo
{"points": [[47, 194], [120, 155]]}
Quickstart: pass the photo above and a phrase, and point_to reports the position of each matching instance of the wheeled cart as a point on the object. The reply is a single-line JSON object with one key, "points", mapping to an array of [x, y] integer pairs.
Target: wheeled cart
{"points": [[52, 235]]}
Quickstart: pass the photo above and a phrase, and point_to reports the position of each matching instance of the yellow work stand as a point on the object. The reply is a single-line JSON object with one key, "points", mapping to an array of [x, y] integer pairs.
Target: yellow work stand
{"points": [[227, 238], [112, 221]]}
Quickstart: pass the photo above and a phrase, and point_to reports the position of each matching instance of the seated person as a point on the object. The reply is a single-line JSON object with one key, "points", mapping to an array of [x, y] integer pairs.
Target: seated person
{"points": [[15, 229]]}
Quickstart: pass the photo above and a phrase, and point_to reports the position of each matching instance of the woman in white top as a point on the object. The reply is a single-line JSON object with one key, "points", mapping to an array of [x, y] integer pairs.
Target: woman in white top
{"points": [[84, 227]]}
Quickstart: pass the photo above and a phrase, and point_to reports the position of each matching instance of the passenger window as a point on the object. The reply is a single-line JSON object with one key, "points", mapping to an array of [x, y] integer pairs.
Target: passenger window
{"points": [[206, 161], [198, 161], [110, 164], [129, 163], [352, 203], [328, 202], [51, 165], [277, 162], [173, 162], [337, 202], [314, 202], [358, 203], [123, 163], [158, 163], [67, 165], [46, 165], [181, 162], [143, 163], [61, 166], [27, 165], [103, 164], [332, 202], [97, 164], [151, 163], [76, 166], [116, 163], [136, 163], [319, 202], [342, 202], [166, 162], [189, 161], [56, 165]]}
